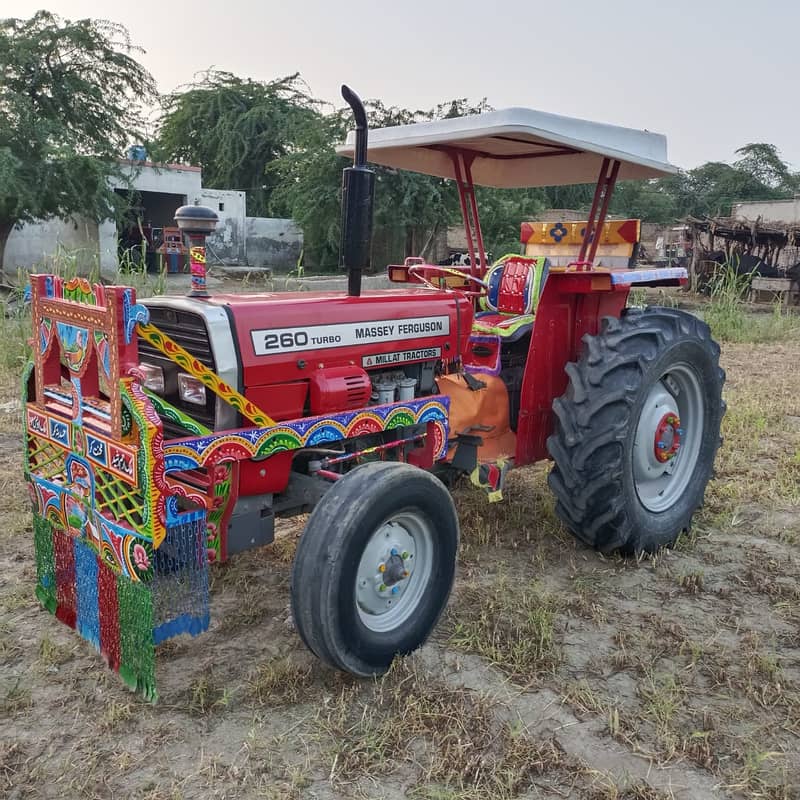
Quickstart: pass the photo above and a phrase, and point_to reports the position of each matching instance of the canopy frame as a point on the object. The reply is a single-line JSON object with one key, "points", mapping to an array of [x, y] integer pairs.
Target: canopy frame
{"points": [[604, 189], [517, 148]]}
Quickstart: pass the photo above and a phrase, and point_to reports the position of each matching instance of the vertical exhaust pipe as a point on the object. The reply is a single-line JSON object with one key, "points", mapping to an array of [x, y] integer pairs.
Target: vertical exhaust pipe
{"points": [[358, 189]]}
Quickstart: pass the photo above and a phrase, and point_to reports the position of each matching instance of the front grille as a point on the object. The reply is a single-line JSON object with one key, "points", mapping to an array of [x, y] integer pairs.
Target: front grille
{"points": [[190, 332]]}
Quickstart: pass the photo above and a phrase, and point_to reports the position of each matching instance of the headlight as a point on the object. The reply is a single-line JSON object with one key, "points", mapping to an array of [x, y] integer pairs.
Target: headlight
{"points": [[191, 390], [153, 378]]}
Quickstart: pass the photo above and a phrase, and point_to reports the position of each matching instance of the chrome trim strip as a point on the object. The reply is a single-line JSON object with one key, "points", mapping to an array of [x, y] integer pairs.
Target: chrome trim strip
{"points": [[220, 337]]}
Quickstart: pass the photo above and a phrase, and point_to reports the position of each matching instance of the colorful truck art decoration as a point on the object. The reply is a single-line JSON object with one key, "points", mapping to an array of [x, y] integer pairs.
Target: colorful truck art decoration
{"points": [[126, 523]]}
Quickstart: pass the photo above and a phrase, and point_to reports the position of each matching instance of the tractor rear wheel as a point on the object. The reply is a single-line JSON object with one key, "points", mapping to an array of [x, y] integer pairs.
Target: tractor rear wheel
{"points": [[374, 566], [637, 430]]}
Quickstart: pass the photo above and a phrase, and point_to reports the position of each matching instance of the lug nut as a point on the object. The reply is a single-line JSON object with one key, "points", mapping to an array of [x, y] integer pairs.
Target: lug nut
{"points": [[394, 551], [661, 445], [404, 554], [381, 567], [395, 589]]}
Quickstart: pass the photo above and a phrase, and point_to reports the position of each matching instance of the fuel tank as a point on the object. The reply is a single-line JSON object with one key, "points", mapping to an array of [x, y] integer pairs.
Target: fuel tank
{"points": [[284, 337]]}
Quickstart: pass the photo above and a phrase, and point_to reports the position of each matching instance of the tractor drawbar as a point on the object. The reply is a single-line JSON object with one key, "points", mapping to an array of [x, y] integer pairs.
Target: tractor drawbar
{"points": [[358, 188]]}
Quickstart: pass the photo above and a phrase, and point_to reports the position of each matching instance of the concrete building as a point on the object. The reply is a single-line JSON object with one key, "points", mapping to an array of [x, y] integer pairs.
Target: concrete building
{"points": [[768, 210], [156, 191]]}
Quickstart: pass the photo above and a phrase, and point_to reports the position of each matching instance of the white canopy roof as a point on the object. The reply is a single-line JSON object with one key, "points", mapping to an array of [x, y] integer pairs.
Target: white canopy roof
{"points": [[518, 147]]}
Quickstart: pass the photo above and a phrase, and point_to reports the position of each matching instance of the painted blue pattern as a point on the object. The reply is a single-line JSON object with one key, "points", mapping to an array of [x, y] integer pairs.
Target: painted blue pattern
{"points": [[59, 432], [630, 276], [325, 429], [97, 450], [494, 287], [133, 313], [88, 621]]}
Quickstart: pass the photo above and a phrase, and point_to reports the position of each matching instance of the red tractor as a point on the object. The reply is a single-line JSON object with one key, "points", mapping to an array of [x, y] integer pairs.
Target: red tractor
{"points": [[165, 435]]}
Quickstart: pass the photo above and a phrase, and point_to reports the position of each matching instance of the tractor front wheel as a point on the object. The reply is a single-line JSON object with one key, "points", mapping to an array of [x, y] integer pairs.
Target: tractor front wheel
{"points": [[637, 430], [374, 566]]}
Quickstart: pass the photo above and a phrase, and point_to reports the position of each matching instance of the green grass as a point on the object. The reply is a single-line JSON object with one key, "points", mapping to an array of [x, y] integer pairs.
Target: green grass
{"points": [[639, 297], [510, 624], [15, 319], [15, 331], [729, 319], [459, 743]]}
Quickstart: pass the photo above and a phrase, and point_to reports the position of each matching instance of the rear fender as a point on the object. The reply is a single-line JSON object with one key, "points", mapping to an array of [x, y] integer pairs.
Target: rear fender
{"points": [[572, 305]]}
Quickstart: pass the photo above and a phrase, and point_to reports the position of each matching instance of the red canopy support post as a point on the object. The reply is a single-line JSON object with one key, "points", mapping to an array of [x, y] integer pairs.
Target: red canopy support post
{"points": [[478, 269], [469, 213], [597, 216]]}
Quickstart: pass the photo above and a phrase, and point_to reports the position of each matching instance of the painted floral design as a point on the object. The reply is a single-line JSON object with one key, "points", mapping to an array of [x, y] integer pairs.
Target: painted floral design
{"points": [[140, 557]]}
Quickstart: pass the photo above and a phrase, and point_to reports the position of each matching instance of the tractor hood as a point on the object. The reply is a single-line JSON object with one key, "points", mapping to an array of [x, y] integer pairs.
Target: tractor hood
{"points": [[284, 337]]}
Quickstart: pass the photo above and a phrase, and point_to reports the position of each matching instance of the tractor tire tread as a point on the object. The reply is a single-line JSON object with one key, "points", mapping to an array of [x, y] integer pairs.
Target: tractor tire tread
{"points": [[593, 420]]}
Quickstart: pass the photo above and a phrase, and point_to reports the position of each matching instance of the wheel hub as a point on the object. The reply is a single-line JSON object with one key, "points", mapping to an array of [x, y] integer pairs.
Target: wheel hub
{"points": [[388, 582], [392, 574], [394, 568], [667, 440], [653, 431]]}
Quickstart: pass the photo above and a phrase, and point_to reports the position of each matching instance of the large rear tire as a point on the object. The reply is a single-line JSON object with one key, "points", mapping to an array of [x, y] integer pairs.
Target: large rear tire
{"points": [[374, 566], [637, 430]]}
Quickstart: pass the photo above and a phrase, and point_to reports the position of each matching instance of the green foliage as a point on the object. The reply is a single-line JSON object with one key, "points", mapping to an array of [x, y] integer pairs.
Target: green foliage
{"points": [[406, 198], [712, 188], [707, 190], [763, 162], [69, 104], [308, 181], [278, 144], [502, 211], [651, 201], [308, 187], [233, 128], [726, 314], [729, 319]]}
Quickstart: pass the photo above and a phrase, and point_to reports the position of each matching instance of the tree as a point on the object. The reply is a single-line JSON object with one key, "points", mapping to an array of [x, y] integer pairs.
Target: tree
{"points": [[308, 182], [70, 101], [233, 128], [649, 200], [763, 162], [715, 186]]}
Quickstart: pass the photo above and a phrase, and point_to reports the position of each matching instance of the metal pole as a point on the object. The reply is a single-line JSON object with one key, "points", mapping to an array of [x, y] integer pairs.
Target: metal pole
{"points": [[477, 270], [462, 197], [601, 218], [587, 234]]}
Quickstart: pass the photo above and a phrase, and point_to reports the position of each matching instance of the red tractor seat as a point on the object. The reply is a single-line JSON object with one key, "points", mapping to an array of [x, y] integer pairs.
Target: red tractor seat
{"points": [[515, 285]]}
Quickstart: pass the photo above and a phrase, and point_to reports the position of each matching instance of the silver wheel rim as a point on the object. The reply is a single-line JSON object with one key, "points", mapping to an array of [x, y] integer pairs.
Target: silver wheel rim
{"points": [[668, 438], [394, 571]]}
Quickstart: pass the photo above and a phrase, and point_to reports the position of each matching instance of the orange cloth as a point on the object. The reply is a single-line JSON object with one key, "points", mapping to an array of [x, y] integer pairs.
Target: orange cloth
{"points": [[486, 407]]}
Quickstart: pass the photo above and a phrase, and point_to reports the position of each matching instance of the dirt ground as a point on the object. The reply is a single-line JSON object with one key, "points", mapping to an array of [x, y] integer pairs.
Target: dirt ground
{"points": [[556, 672]]}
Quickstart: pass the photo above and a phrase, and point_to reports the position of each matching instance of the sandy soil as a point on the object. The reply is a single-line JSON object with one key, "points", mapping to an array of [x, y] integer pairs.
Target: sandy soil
{"points": [[556, 672]]}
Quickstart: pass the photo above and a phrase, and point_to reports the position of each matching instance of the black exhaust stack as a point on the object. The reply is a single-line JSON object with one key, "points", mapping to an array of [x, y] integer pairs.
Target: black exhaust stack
{"points": [[358, 189]]}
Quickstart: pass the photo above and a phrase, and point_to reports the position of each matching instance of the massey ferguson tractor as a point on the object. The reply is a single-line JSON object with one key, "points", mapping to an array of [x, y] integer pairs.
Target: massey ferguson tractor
{"points": [[165, 435]]}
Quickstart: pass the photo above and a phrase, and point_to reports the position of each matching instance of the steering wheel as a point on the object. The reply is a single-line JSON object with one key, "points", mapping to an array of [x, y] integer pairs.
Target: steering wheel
{"points": [[415, 270]]}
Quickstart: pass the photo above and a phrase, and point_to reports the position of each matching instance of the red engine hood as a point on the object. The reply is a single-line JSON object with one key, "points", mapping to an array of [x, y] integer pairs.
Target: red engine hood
{"points": [[282, 337]]}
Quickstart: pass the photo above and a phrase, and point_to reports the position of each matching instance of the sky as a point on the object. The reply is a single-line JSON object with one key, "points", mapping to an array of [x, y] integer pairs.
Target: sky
{"points": [[712, 75]]}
